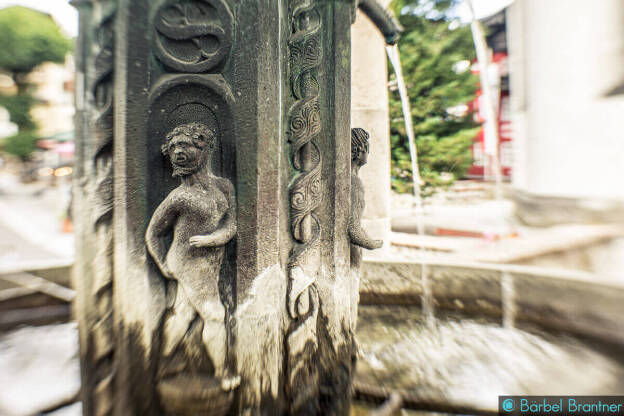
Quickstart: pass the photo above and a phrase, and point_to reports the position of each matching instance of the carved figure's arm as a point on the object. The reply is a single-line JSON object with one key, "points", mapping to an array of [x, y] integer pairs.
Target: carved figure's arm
{"points": [[359, 237], [227, 231], [159, 225]]}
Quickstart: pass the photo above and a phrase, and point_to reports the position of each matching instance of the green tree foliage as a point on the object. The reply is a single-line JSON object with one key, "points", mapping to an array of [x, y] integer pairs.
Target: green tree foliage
{"points": [[20, 145], [431, 47], [27, 39], [18, 107]]}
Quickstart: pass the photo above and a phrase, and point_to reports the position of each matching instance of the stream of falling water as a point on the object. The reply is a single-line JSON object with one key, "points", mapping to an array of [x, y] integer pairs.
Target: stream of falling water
{"points": [[427, 300], [508, 298]]}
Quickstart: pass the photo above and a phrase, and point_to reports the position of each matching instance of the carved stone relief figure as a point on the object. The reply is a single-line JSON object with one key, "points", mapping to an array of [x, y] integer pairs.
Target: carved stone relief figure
{"points": [[193, 377], [359, 237]]}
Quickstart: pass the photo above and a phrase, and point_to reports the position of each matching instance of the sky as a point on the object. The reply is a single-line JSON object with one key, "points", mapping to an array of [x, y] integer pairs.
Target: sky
{"points": [[67, 17]]}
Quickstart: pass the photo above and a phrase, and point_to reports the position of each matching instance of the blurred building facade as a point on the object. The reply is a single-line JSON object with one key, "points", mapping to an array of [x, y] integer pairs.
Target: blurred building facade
{"points": [[567, 102], [53, 88], [498, 75]]}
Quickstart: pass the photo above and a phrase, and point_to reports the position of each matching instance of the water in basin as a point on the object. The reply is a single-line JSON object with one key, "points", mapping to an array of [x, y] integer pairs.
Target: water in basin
{"points": [[471, 362]]}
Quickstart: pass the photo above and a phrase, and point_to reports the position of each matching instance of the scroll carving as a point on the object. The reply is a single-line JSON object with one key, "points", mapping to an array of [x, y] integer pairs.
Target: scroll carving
{"points": [[102, 287], [358, 236], [304, 126], [193, 36], [201, 213]]}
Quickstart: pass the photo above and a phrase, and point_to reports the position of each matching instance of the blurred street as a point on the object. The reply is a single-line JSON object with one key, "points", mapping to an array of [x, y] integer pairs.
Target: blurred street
{"points": [[43, 375], [31, 220]]}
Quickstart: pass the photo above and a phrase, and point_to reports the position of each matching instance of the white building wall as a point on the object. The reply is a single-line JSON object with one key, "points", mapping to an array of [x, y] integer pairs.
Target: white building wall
{"points": [[566, 59]]}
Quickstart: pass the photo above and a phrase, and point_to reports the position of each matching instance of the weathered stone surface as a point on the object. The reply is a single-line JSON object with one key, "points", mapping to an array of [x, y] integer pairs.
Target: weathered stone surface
{"points": [[225, 262], [93, 194], [359, 237], [201, 215]]}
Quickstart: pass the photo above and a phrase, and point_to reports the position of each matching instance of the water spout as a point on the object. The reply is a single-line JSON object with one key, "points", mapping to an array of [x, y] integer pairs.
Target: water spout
{"points": [[427, 299], [383, 19]]}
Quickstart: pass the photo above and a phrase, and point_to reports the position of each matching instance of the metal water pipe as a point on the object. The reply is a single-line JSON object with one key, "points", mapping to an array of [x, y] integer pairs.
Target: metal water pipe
{"points": [[383, 19]]}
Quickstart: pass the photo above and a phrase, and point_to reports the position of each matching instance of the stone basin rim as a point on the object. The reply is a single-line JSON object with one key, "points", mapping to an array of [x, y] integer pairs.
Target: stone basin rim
{"points": [[549, 272]]}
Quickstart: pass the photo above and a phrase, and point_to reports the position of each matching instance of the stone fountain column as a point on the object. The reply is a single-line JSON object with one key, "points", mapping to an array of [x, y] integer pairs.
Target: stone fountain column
{"points": [[213, 181], [369, 110], [93, 203]]}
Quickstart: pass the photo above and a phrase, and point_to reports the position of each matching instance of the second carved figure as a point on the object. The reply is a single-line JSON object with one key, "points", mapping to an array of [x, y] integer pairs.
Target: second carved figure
{"points": [[359, 238]]}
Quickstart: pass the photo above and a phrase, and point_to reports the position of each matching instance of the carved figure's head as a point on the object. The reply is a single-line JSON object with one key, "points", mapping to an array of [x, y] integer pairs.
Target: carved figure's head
{"points": [[188, 147], [359, 146]]}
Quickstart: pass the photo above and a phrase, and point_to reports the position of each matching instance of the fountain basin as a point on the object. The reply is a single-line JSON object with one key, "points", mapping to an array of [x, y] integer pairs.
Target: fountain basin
{"points": [[579, 303], [466, 364], [562, 334]]}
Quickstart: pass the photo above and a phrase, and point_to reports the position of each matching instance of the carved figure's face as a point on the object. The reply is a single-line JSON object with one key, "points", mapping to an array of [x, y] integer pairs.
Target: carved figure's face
{"points": [[184, 155], [359, 157], [363, 158]]}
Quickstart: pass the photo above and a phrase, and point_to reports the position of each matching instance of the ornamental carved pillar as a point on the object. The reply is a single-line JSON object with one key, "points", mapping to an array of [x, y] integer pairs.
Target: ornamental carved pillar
{"points": [[93, 191], [215, 160]]}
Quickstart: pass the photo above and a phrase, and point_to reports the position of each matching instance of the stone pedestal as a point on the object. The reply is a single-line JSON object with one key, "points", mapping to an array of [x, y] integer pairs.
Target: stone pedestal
{"points": [[214, 200], [369, 110]]}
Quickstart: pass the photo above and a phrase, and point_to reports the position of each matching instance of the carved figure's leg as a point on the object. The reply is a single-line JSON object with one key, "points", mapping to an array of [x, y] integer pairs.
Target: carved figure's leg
{"points": [[177, 324], [214, 335], [355, 297]]}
